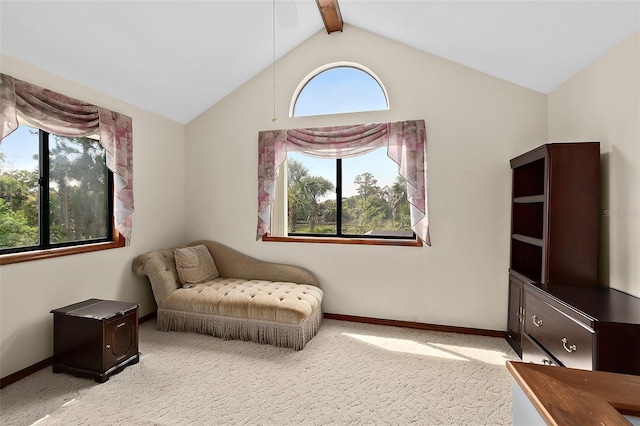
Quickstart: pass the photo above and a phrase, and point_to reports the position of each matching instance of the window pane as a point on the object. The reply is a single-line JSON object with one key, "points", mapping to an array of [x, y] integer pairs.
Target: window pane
{"points": [[311, 197], [78, 189], [19, 189], [374, 197], [339, 90]]}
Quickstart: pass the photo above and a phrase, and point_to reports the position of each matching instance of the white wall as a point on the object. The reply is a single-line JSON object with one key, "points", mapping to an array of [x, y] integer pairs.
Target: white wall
{"points": [[475, 123], [30, 290], [602, 103]]}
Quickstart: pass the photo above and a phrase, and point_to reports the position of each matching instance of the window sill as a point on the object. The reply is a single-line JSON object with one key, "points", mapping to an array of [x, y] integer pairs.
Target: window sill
{"points": [[7, 259], [359, 241]]}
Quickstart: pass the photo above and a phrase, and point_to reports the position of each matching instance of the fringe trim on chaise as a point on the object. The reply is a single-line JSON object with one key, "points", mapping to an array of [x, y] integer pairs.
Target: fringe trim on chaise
{"points": [[286, 335]]}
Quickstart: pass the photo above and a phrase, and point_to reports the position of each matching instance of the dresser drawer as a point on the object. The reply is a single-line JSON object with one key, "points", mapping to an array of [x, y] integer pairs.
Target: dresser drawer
{"points": [[531, 352], [563, 334]]}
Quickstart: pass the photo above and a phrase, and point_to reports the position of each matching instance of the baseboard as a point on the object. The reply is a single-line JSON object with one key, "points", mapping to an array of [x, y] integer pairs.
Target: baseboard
{"points": [[417, 325], [147, 317], [12, 378], [18, 375]]}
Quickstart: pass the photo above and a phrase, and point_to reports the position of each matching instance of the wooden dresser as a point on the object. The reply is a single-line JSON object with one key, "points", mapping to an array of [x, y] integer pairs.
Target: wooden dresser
{"points": [[557, 313], [586, 328]]}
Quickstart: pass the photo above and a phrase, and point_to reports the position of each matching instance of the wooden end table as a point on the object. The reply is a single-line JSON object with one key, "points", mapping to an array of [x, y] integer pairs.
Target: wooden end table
{"points": [[95, 338]]}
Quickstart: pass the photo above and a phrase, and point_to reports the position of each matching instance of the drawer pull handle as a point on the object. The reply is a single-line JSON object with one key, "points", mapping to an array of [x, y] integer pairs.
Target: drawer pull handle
{"points": [[569, 349], [536, 321]]}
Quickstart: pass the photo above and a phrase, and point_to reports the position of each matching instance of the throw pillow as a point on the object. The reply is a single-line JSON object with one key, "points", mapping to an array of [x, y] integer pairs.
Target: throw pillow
{"points": [[195, 265]]}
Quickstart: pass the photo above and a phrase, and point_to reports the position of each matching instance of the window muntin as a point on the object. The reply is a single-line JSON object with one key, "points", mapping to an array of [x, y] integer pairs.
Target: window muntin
{"points": [[338, 90], [58, 194], [358, 197]]}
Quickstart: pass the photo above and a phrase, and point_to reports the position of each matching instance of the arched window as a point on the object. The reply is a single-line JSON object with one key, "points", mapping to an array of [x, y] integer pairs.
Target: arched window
{"points": [[337, 89], [359, 197]]}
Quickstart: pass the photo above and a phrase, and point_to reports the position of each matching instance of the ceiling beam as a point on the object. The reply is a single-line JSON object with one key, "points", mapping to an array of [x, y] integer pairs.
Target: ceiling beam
{"points": [[331, 16]]}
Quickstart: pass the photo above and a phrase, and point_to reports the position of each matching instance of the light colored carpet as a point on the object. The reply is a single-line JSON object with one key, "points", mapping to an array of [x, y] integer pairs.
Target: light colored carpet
{"points": [[349, 374]]}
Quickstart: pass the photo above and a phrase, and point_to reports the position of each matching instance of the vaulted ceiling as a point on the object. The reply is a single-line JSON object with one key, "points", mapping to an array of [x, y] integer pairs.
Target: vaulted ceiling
{"points": [[177, 58]]}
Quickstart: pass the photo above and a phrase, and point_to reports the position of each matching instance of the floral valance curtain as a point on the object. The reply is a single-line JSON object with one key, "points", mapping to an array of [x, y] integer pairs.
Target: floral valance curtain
{"points": [[405, 142], [65, 116]]}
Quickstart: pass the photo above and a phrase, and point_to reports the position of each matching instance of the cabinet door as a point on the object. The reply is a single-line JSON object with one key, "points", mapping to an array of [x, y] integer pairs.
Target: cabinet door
{"points": [[121, 339], [515, 314]]}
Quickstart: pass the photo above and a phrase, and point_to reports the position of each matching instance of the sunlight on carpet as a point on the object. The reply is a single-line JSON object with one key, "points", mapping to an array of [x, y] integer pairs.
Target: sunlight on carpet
{"points": [[41, 420], [439, 350], [494, 357], [49, 416], [405, 346]]}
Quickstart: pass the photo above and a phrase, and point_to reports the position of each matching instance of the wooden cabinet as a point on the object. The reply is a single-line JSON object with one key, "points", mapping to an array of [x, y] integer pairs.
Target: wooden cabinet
{"points": [[95, 338], [578, 327], [557, 313], [554, 216], [554, 222], [603, 332], [516, 313]]}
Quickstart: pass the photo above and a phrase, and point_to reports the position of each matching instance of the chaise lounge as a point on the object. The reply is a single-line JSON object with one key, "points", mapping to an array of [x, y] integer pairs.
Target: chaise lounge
{"points": [[209, 288]]}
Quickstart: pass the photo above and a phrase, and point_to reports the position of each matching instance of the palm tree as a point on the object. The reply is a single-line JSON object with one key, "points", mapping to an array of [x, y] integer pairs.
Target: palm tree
{"points": [[304, 194], [314, 188], [397, 197], [296, 206]]}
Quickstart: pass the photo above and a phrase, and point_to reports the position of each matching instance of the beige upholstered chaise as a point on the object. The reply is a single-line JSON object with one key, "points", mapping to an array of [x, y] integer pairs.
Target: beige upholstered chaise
{"points": [[251, 299]]}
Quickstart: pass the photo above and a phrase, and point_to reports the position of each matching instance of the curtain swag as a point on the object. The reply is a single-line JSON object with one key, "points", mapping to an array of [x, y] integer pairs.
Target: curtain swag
{"points": [[65, 116], [405, 142]]}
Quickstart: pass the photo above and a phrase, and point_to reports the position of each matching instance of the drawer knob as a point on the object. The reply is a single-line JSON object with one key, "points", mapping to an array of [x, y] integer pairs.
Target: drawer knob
{"points": [[108, 346], [536, 321], [571, 348]]}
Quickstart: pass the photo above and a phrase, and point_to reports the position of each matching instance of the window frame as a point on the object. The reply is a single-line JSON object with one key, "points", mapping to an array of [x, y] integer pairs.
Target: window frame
{"points": [[337, 239], [45, 249], [342, 64], [116, 242], [373, 241], [340, 238]]}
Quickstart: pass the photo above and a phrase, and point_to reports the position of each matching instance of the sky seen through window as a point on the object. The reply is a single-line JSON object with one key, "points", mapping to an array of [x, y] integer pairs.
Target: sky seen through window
{"points": [[342, 90]]}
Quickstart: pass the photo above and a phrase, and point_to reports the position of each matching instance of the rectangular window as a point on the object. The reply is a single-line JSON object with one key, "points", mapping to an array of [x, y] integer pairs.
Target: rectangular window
{"points": [[360, 197], [55, 191]]}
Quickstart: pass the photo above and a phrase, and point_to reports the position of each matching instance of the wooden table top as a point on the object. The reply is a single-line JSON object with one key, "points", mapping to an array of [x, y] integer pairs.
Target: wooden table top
{"points": [[566, 396]]}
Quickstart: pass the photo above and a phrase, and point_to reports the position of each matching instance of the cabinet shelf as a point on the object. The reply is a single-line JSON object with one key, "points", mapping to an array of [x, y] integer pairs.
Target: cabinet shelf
{"points": [[529, 179], [529, 199], [527, 259], [529, 240], [528, 220]]}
